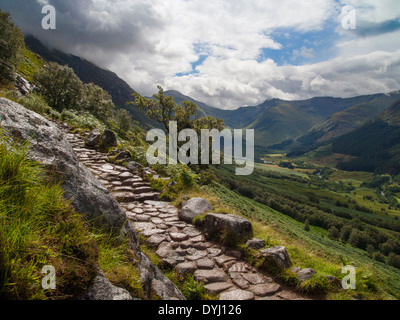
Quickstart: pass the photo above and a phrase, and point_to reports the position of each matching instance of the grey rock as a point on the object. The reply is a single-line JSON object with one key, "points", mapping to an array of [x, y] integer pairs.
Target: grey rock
{"points": [[205, 263], [186, 267], [220, 260], [241, 282], [296, 269], [93, 138], [154, 281], [279, 255], [237, 227], [216, 288], [305, 274], [237, 295], [123, 155], [210, 276], [255, 278], [179, 236], [102, 289], [193, 208], [255, 244], [263, 290], [133, 166], [108, 139]]}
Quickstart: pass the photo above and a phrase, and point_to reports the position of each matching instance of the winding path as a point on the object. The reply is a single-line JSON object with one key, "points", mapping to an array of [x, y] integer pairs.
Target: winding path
{"points": [[179, 244]]}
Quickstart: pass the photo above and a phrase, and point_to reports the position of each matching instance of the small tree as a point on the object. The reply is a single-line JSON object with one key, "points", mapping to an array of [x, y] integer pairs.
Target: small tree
{"points": [[12, 47], [164, 109], [161, 108], [307, 225], [124, 120], [333, 233], [60, 86], [97, 101]]}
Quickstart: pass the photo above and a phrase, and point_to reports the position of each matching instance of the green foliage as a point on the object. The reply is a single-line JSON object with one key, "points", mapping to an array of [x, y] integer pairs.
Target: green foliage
{"points": [[30, 64], [60, 86], [38, 228], [62, 89], [12, 47], [35, 103], [307, 225], [97, 102], [83, 120], [124, 120], [118, 262], [164, 109]]}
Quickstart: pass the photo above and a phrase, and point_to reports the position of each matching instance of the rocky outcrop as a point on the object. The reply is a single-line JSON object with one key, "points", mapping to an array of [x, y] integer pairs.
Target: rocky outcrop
{"points": [[255, 244], [49, 146], [193, 208], [278, 255], [235, 227], [93, 138], [304, 274], [108, 139], [102, 289]]}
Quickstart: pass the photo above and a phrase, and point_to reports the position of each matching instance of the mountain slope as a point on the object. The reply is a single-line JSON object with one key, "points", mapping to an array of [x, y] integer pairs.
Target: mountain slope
{"points": [[346, 121], [313, 120], [88, 72], [375, 145]]}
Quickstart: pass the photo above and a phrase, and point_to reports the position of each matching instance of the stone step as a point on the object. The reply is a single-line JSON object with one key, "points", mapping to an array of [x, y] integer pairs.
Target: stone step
{"points": [[125, 196], [147, 196], [142, 190], [122, 189]]}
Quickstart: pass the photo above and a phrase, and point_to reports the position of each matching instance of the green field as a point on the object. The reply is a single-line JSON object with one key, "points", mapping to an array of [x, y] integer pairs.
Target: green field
{"points": [[338, 200]]}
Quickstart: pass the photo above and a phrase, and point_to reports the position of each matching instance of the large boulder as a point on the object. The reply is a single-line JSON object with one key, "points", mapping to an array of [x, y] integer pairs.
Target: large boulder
{"points": [[305, 274], [230, 227], [93, 138], [108, 139], [48, 146], [194, 207], [278, 256], [255, 244]]}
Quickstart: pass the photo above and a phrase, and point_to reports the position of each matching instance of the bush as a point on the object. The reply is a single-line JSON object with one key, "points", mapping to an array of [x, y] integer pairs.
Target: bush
{"points": [[35, 103], [60, 86], [12, 47], [124, 120], [394, 260]]}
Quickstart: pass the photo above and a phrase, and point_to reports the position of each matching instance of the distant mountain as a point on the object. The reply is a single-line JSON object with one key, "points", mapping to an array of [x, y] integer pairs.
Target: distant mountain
{"points": [[348, 120], [300, 124], [374, 146], [88, 72]]}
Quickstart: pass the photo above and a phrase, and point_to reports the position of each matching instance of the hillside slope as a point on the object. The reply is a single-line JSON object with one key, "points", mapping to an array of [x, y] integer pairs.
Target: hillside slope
{"points": [[314, 120], [348, 120], [376, 144]]}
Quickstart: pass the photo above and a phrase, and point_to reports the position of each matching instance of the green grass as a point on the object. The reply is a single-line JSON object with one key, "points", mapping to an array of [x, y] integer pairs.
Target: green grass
{"points": [[30, 64], [314, 249], [38, 228], [277, 169]]}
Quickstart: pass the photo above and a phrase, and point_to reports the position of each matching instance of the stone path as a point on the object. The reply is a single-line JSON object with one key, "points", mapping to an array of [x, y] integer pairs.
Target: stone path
{"points": [[179, 244]]}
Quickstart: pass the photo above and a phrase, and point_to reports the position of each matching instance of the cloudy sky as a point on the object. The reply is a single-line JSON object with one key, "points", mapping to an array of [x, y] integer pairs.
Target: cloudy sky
{"points": [[229, 53]]}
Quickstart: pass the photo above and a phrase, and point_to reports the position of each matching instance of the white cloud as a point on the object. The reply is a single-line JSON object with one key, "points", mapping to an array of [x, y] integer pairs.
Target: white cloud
{"points": [[148, 42]]}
